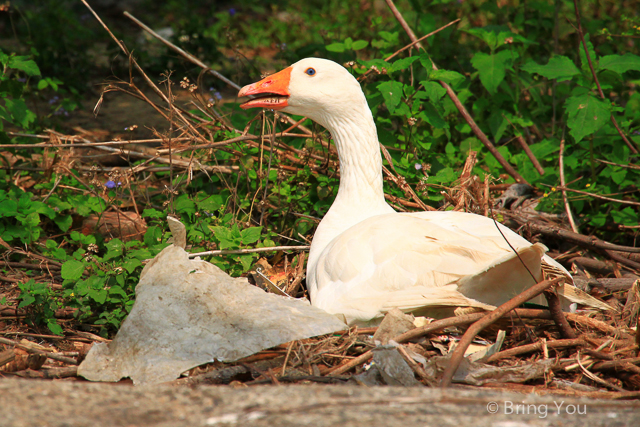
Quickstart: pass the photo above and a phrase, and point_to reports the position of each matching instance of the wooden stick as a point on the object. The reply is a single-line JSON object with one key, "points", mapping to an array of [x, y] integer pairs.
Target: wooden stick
{"points": [[433, 327], [555, 308], [87, 144], [530, 155], [140, 70], [558, 344], [31, 349], [593, 323], [7, 356], [615, 364], [414, 333], [567, 208], [631, 145], [598, 196], [202, 65], [251, 250], [487, 320], [580, 239], [623, 260], [463, 111], [415, 366]]}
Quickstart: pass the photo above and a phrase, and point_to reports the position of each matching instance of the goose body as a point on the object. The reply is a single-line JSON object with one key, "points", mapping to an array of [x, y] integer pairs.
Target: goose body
{"points": [[365, 258]]}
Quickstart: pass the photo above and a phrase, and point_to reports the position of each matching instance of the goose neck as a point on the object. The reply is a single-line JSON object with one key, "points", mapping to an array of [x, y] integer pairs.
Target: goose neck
{"points": [[356, 140]]}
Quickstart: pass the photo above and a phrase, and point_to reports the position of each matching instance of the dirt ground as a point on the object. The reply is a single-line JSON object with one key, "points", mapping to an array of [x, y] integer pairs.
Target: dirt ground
{"points": [[75, 404]]}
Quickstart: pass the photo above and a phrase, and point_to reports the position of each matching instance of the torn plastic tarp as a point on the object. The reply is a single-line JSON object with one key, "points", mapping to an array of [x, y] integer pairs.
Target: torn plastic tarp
{"points": [[188, 313]]}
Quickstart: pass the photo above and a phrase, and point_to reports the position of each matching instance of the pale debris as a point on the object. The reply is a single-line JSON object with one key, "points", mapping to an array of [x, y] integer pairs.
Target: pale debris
{"points": [[188, 313]]}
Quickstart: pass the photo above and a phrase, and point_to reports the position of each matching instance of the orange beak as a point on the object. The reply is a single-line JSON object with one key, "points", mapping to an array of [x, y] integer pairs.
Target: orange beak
{"points": [[272, 91]]}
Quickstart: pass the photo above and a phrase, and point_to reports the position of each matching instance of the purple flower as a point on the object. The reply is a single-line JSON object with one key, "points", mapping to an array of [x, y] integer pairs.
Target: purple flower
{"points": [[22, 79], [218, 95], [53, 100], [232, 11], [110, 184]]}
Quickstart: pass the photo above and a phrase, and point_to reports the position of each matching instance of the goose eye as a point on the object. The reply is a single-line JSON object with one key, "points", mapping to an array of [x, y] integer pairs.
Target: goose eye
{"points": [[310, 71]]}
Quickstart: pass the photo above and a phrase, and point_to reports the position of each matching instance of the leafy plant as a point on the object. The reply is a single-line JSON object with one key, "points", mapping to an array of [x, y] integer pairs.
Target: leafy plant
{"points": [[42, 302]]}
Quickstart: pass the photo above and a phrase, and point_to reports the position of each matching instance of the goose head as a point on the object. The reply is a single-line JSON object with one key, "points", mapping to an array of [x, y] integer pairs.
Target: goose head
{"points": [[319, 89]]}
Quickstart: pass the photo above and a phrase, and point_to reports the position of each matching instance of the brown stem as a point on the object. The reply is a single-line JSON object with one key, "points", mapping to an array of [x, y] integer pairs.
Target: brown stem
{"points": [[567, 208], [530, 154], [555, 308], [580, 239], [470, 334], [631, 145], [463, 111], [523, 349]]}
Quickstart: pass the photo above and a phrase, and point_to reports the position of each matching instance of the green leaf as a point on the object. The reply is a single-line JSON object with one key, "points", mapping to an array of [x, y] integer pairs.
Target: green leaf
{"points": [[211, 203], [131, 264], [246, 261], [618, 174], [492, 68], [19, 112], [584, 63], [498, 124], [434, 91], [489, 37], [359, 44], [392, 94], [559, 67], [445, 175], [620, 63], [447, 76], [403, 63], [626, 216], [431, 115], [31, 220], [140, 254], [250, 235], [24, 63], [72, 270], [184, 204], [335, 47], [153, 213], [115, 245], [586, 115], [8, 208], [26, 299], [225, 236], [54, 327], [98, 295], [63, 222]]}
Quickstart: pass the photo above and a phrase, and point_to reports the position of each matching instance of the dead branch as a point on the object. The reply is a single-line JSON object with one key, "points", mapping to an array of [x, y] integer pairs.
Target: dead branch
{"points": [[630, 144], [537, 346], [32, 349], [463, 111], [580, 239], [555, 308], [487, 320], [251, 250]]}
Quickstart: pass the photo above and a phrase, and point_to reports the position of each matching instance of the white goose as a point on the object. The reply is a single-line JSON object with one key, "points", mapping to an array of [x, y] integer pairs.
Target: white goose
{"points": [[365, 258]]}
